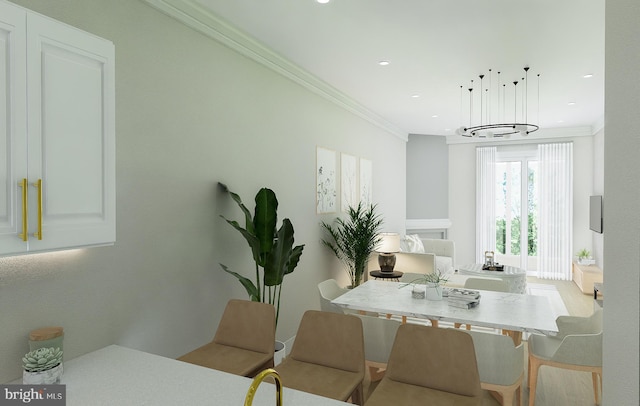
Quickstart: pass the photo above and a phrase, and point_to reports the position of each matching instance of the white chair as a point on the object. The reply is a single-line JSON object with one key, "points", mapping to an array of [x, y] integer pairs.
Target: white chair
{"points": [[500, 364], [495, 285], [330, 290], [578, 346], [379, 334]]}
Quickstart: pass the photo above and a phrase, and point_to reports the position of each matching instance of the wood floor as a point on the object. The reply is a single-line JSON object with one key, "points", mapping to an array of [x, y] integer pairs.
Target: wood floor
{"points": [[555, 386]]}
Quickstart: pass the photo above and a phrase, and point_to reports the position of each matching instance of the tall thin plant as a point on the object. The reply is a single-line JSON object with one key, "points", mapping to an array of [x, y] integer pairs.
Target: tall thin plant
{"points": [[272, 249], [354, 239]]}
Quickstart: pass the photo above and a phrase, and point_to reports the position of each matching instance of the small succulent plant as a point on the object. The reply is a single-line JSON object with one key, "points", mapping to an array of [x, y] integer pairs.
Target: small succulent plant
{"points": [[42, 359]]}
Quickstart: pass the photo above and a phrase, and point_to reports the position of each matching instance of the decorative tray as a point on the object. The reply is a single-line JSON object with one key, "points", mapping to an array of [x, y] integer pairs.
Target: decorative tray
{"points": [[496, 267]]}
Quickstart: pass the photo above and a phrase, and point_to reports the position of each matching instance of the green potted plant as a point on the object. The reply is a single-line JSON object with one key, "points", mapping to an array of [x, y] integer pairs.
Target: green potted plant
{"points": [[428, 285], [354, 239], [272, 249], [584, 256], [42, 366]]}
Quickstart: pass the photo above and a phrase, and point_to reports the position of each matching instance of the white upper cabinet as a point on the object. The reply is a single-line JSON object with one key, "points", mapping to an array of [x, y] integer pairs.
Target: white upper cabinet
{"points": [[57, 138]]}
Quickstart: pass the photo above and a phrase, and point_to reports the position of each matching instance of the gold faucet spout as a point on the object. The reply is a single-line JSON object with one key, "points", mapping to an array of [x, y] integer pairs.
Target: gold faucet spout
{"points": [[258, 380]]}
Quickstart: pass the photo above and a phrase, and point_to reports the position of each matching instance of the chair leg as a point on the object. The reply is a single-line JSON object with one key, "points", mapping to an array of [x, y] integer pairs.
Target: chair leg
{"points": [[595, 377], [357, 397], [519, 395], [457, 325], [534, 365], [507, 398], [434, 323]]}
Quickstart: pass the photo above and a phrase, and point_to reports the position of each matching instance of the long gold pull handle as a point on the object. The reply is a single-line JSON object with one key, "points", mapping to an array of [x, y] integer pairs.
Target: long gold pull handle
{"points": [[24, 236], [38, 234], [258, 380]]}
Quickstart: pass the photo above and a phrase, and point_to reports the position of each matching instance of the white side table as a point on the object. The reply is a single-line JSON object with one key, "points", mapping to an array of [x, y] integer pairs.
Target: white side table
{"points": [[516, 278]]}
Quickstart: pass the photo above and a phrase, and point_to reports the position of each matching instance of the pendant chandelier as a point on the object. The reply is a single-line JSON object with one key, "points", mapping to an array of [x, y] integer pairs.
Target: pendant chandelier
{"points": [[511, 119]]}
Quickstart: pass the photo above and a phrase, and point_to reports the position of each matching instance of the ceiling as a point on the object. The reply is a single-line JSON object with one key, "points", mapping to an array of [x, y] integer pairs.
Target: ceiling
{"points": [[436, 46]]}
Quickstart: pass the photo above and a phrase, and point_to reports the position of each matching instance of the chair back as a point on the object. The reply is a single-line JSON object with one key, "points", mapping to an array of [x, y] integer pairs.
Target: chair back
{"points": [[330, 290], [441, 359], [379, 334], [330, 339], [496, 285], [500, 361], [581, 340], [249, 325]]}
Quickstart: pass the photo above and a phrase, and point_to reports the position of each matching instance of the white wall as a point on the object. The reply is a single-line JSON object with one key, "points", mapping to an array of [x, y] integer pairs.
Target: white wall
{"points": [[597, 239], [190, 112], [462, 195], [427, 177], [622, 194]]}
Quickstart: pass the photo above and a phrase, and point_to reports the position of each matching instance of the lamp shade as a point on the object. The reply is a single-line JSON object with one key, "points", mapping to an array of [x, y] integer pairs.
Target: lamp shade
{"points": [[389, 242]]}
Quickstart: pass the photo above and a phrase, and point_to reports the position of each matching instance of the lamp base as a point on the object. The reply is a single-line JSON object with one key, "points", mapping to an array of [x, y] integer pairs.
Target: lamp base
{"points": [[386, 261]]}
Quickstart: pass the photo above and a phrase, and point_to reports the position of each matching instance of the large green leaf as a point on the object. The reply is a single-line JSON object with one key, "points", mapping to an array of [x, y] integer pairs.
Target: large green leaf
{"points": [[278, 258], [294, 258], [265, 219], [252, 240], [247, 214], [252, 290]]}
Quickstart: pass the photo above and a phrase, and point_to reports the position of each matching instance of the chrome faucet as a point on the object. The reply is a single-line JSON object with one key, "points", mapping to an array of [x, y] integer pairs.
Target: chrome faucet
{"points": [[258, 380]]}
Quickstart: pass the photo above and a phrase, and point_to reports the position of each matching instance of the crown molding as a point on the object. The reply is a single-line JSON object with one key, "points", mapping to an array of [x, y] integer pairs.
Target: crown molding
{"points": [[204, 21]]}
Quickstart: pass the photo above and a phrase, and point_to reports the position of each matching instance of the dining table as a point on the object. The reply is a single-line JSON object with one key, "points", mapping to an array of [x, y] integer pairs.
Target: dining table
{"points": [[514, 313]]}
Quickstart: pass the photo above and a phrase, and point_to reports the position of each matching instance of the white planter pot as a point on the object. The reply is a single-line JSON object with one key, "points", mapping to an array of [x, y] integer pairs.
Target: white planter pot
{"points": [[418, 291], [434, 292], [279, 354], [47, 377]]}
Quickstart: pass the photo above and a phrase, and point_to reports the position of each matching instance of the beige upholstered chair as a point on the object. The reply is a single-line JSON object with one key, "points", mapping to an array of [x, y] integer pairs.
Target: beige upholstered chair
{"points": [[429, 366], [379, 334], [578, 346], [330, 290], [500, 364], [327, 357], [244, 342]]}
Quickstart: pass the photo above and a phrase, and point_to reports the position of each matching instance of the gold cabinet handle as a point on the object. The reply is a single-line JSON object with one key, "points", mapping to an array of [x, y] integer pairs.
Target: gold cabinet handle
{"points": [[38, 234], [24, 236]]}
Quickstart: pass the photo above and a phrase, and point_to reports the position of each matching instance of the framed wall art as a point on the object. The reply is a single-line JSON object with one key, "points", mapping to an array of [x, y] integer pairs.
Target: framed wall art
{"points": [[366, 182], [349, 181], [326, 188]]}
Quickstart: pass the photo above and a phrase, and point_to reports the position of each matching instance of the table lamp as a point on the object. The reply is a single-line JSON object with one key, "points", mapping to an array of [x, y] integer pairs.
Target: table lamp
{"points": [[389, 245]]}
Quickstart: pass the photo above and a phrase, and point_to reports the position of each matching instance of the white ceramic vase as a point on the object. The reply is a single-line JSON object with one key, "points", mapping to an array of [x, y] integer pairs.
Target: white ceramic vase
{"points": [[434, 291], [48, 377], [279, 353]]}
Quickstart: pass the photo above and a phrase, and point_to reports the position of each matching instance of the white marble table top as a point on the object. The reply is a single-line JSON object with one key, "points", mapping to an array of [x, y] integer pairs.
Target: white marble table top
{"points": [[509, 271], [510, 311], [121, 376]]}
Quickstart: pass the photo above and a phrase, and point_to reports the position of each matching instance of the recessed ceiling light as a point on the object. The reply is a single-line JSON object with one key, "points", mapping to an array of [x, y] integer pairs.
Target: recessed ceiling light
{"points": [[588, 75], [415, 96], [434, 116], [447, 129], [322, 1], [560, 121], [572, 103], [383, 63]]}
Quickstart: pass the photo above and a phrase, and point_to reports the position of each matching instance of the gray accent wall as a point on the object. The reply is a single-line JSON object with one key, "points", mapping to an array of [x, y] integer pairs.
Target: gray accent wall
{"points": [[189, 112], [427, 177], [621, 266]]}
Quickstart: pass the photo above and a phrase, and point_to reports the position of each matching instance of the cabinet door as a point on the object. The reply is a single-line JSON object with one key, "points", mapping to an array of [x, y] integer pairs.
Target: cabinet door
{"points": [[13, 136], [71, 101]]}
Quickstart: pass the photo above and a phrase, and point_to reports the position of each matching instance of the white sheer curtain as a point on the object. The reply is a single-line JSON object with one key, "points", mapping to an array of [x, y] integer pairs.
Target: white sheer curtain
{"points": [[485, 201], [555, 211]]}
